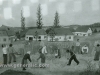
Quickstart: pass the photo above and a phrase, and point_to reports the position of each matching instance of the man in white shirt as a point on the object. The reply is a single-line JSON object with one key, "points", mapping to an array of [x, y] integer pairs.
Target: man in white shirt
{"points": [[44, 51], [4, 49], [85, 49], [77, 46]]}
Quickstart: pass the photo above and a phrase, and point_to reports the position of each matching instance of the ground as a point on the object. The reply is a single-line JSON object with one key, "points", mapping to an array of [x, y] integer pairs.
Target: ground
{"points": [[59, 66]]}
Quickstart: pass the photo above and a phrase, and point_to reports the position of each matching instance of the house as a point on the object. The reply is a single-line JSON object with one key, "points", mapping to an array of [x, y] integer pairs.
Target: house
{"points": [[4, 38], [36, 34], [83, 31], [9, 30], [61, 34]]}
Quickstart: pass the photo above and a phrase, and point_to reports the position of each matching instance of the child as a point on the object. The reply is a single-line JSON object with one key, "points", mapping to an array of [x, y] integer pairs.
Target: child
{"points": [[42, 57], [73, 57]]}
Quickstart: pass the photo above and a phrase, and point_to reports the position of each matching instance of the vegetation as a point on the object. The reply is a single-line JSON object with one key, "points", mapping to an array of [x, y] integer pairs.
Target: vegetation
{"points": [[39, 22], [56, 20], [52, 34], [95, 31], [36, 35], [22, 21]]}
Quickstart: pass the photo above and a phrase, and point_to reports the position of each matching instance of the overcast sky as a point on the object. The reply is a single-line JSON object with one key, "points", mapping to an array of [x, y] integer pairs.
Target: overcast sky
{"points": [[71, 12]]}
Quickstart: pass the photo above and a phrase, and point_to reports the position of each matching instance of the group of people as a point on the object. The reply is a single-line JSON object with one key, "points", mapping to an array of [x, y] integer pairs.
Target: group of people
{"points": [[81, 50], [42, 51], [8, 54]]}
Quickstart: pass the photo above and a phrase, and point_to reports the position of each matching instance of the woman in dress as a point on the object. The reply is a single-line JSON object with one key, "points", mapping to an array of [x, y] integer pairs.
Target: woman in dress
{"points": [[97, 54]]}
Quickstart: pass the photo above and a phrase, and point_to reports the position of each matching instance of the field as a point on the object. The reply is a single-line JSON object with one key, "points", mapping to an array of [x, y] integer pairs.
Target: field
{"points": [[59, 66]]}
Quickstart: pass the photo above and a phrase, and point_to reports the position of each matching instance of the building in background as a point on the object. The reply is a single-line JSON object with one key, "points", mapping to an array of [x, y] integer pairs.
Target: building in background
{"points": [[4, 38], [36, 34], [83, 31], [61, 34]]}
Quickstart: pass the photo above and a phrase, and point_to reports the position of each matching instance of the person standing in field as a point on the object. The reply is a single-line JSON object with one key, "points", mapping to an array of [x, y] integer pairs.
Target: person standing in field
{"points": [[72, 57], [4, 49], [42, 57], [97, 54], [58, 53], [85, 49], [11, 52], [78, 49], [43, 49], [24, 60]]}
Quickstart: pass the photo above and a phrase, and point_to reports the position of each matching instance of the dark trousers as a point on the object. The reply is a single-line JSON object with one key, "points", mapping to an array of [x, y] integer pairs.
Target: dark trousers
{"points": [[10, 57], [4, 58], [73, 58]]}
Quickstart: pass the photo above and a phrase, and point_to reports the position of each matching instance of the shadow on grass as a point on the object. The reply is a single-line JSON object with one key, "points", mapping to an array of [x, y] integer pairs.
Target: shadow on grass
{"points": [[12, 72], [76, 73]]}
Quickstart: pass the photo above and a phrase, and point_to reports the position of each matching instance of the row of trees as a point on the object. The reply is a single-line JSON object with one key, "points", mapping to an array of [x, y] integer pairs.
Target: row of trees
{"points": [[39, 22]]}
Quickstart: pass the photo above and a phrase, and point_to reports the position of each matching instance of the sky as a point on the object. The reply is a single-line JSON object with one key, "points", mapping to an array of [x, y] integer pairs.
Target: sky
{"points": [[71, 12]]}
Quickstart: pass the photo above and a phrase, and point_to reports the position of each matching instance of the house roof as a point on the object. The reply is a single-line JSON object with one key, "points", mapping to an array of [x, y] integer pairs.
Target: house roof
{"points": [[33, 32], [3, 33], [9, 30], [62, 31], [82, 29]]}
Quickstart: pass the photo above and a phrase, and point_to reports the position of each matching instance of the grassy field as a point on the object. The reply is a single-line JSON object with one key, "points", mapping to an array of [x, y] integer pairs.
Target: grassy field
{"points": [[87, 65]]}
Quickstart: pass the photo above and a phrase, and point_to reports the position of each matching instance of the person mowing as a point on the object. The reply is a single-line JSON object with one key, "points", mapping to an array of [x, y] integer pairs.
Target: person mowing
{"points": [[24, 60], [42, 57], [73, 57]]}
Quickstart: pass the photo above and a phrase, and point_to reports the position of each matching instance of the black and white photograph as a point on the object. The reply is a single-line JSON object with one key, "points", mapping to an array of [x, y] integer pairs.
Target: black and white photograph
{"points": [[49, 37]]}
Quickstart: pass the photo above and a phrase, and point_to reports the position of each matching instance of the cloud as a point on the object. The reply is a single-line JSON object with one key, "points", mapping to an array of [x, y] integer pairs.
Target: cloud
{"points": [[16, 1], [77, 6], [44, 8], [34, 1], [1, 2], [61, 8], [8, 13], [26, 11], [95, 5]]}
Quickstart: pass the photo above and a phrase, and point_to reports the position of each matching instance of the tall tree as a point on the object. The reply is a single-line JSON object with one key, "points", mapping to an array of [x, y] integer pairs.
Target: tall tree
{"points": [[56, 20], [39, 22], [22, 21]]}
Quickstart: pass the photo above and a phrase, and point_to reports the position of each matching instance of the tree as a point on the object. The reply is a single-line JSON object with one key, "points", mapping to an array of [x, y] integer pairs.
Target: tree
{"points": [[95, 31], [52, 33], [22, 21], [56, 20], [17, 35], [36, 35], [39, 22]]}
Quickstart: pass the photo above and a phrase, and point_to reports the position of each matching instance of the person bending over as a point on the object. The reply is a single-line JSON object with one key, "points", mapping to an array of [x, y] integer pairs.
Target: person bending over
{"points": [[73, 57]]}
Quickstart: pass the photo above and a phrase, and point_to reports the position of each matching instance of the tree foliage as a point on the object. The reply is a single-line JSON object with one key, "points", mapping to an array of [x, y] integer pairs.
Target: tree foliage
{"points": [[52, 33], [39, 22], [22, 21], [56, 20]]}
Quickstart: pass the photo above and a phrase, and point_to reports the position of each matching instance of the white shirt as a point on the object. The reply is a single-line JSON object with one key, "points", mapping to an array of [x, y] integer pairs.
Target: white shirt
{"points": [[4, 50], [77, 44], [85, 48], [44, 50]]}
